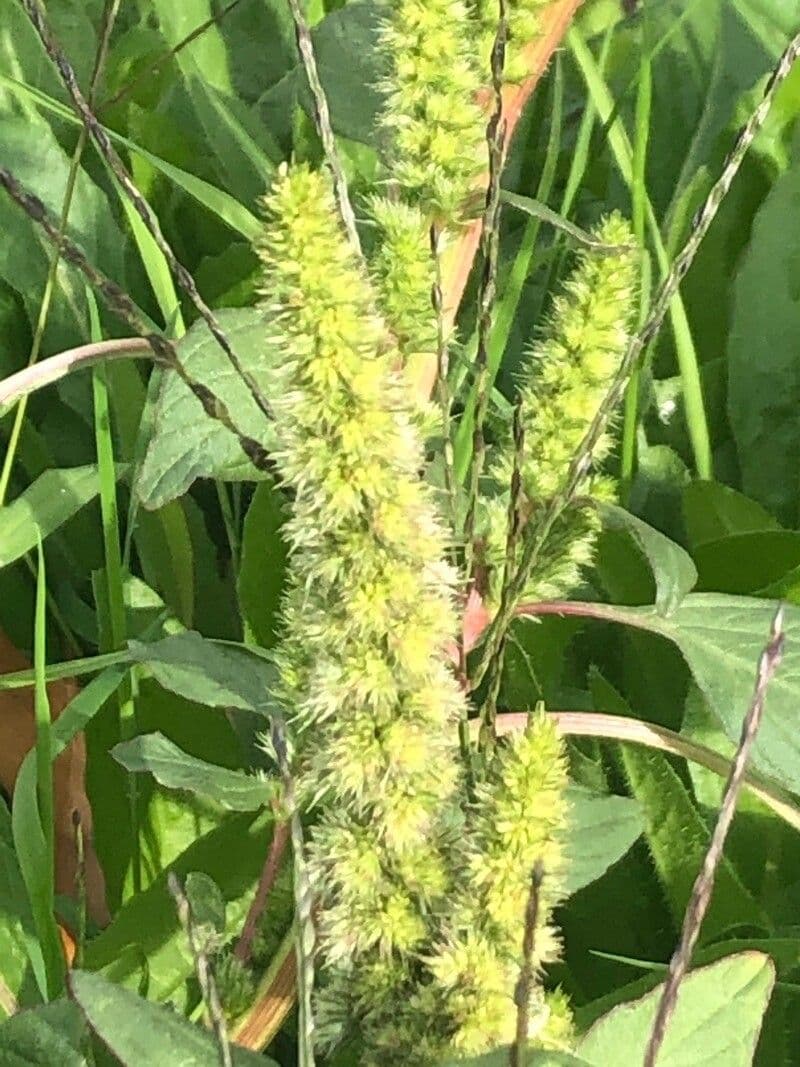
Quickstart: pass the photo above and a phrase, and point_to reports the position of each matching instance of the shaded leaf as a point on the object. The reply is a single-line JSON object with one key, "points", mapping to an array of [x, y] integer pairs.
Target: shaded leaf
{"points": [[262, 573], [43, 1037], [712, 511], [673, 570], [601, 830], [677, 835], [145, 936], [209, 672], [176, 769], [763, 358], [717, 1019]]}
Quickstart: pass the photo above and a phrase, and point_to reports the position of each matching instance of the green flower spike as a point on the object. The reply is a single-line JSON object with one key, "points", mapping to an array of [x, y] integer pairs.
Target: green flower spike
{"points": [[519, 820], [435, 127], [371, 605], [571, 370]]}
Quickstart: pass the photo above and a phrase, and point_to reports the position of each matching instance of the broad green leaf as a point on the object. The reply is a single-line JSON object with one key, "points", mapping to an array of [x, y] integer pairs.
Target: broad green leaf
{"points": [[721, 638], [175, 769], [262, 573], [765, 561], [676, 833], [763, 359], [145, 937], [350, 71], [138, 1032], [533, 1058], [601, 830], [186, 444], [717, 1019], [43, 1037], [43, 507], [712, 511], [31, 150], [673, 570], [209, 672]]}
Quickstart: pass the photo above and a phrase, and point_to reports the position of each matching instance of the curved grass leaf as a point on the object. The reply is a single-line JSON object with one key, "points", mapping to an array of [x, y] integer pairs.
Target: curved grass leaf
{"points": [[676, 833], [176, 769], [717, 1019], [43, 507]]}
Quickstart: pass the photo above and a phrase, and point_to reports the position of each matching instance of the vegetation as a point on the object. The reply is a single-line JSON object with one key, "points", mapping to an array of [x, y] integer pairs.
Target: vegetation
{"points": [[398, 495]]}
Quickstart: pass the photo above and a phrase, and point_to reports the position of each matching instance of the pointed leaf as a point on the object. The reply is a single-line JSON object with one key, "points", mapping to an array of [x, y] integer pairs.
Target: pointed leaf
{"points": [[717, 1019], [186, 444], [673, 569], [176, 769]]}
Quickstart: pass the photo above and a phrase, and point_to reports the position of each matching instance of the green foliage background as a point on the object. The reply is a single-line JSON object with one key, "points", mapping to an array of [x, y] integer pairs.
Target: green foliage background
{"points": [[202, 132]]}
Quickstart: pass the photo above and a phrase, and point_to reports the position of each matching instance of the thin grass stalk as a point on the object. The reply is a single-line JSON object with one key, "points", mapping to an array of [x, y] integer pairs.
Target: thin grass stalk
{"points": [[118, 301], [516, 524], [642, 127], [269, 873], [305, 932], [205, 976], [103, 143], [115, 579], [700, 898], [322, 121], [109, 18], [442, 370], [508, 301], [489, 246], [580, 466], [47, 371], [518, 1054]]}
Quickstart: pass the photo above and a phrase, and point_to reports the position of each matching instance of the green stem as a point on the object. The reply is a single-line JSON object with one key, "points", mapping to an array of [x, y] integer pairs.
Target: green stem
{"points": [[639, 192], [115, 578]]}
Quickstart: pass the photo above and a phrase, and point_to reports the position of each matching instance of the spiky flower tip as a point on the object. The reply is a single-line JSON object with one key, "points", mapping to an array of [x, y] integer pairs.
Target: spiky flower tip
{"points": [[524, 19], [403, 276], [519, 821], [370, 607], [435, 127], [571, 370]]}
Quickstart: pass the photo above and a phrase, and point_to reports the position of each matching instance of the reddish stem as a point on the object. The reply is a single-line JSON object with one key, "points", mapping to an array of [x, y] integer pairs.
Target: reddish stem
{"points": [[269, 873]]}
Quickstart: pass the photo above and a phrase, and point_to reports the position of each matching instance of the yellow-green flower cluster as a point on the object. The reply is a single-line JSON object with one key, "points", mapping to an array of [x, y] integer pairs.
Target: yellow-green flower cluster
{"points": [[519, 822], [434, 125], [404, 277], [524, 26], [370, 608], [570, 372]]}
